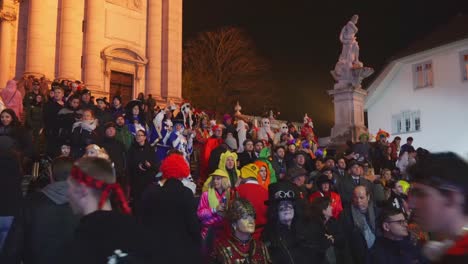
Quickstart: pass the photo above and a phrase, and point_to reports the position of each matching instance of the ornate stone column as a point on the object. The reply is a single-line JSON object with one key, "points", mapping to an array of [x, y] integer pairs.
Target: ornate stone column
{"points": [[93, 37], [71, 39], [7, 17], [41, 40], [153, 49], [171, 79]]}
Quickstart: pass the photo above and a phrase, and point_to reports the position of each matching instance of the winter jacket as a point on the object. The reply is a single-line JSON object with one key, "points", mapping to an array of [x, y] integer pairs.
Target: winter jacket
{"points": [[117, 154], [169, 211], [101, 233], [45, 224], [140, 178], [386, 251], [80, 139]]}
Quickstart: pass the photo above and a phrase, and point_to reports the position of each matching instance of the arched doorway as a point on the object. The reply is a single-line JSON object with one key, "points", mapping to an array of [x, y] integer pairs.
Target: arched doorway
{"points": [[124, 71]]}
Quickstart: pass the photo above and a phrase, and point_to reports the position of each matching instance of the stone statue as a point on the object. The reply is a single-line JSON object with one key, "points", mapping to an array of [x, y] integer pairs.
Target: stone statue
{"points": [[350, 52], [349, 70]]}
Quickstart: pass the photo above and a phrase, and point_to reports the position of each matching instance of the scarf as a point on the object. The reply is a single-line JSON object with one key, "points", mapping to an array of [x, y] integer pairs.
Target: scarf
{"points": [[86, 125], [361, 223], [213, 200], [57, 192]]}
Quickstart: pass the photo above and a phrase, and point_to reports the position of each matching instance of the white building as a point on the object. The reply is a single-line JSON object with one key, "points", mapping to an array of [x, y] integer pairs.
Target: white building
{"points": [[424, 92]]}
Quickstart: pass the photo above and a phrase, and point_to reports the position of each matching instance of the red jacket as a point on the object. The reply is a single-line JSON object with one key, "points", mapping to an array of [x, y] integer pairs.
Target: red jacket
{"points": [[337, 207], [256, 195]]}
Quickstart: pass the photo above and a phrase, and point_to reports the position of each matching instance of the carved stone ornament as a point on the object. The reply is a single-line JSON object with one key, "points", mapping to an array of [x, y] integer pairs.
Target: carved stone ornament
{"points": [[130, 4], [7, 15]]}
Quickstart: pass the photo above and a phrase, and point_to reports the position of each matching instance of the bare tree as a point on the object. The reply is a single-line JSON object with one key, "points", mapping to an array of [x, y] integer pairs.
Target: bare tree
{"points": [[221, 67]]}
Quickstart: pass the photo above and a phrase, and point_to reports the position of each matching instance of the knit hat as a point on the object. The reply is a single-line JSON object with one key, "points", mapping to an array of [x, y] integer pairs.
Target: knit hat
{"points": [[109, 124], [249, 171], [226, 117], [174, 167], [231, 141]]}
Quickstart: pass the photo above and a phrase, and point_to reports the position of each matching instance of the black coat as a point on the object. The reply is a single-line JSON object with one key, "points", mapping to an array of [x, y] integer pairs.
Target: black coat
{"points": [[386, 251], [170, 214], [100, 233], [39, 232], [356, 246], [140, 179], [19, 137], [246, 158], [299, 244], [66, 118], [51, 125], [345, 187], [10, 187], [117, 154], [80, 139]]}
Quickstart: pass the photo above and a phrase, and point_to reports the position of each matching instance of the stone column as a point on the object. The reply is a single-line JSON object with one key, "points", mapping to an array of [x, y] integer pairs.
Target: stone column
{"points": [[153, 49], [7, 18], [94, 34], [171, 79], [71, 39], [41, 40]]}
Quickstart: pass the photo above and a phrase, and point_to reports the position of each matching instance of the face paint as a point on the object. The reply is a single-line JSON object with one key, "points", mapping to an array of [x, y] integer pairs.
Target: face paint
{"points": [[285, 212], [246, 224]]}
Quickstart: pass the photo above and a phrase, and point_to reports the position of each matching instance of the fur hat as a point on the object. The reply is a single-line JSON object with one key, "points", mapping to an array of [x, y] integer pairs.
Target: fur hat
{"points": [[174, 167]]}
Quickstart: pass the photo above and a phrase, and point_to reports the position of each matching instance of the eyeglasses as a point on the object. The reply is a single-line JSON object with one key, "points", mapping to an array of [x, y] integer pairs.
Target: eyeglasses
{"points": [[401, 222], [284, 195]]}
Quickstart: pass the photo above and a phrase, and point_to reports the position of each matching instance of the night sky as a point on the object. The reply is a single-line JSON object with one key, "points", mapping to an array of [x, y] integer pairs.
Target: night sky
{"points": [[299, 38]]}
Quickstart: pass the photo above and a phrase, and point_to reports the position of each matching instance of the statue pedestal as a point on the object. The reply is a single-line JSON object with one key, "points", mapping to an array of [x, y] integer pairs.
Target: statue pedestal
{"points": [[349, 113]]}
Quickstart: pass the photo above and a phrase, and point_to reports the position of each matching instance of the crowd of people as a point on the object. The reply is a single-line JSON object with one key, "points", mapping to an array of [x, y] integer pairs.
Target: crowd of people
{"points": [[130, 182]]}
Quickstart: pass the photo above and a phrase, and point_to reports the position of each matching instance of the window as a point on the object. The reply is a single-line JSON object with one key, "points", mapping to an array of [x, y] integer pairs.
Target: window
{"points": [[464, 65], [406, 122], [423, 75]]}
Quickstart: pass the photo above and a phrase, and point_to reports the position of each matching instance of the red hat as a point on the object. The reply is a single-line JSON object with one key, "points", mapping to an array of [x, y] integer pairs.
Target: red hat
{"points": [[174, 167]]}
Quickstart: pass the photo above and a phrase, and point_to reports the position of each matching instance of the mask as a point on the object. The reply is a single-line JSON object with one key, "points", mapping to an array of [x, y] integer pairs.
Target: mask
{"points": [[246, 224]]}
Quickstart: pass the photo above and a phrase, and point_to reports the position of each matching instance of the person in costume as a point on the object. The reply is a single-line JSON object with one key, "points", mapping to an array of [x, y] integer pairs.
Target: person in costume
{"points": [[160, 131], [213, 206], [439, 203], [285, 233], [213, 142], [379, 151], [181, 140], [263, 176], [12, 98], [228, 163], [324, 185], [134, 117], [240, 246], [250, 190]]}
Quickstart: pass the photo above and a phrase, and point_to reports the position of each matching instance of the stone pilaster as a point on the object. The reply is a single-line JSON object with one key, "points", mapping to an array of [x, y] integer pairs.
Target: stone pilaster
{"points": [[7, 18], [41, 38], [93, 38], [171, 79], [153, 49], [71, 39]]}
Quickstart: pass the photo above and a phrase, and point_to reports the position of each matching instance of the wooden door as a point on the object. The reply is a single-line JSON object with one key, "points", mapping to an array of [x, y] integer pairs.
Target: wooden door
{"points": [[121, 84]]}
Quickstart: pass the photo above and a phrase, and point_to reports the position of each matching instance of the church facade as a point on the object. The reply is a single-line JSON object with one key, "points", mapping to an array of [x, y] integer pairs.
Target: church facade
{"points": [[113, 46]]}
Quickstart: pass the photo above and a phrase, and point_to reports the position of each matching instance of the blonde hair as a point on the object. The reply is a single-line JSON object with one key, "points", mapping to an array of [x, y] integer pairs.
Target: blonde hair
{"points": [[225, 182]]}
